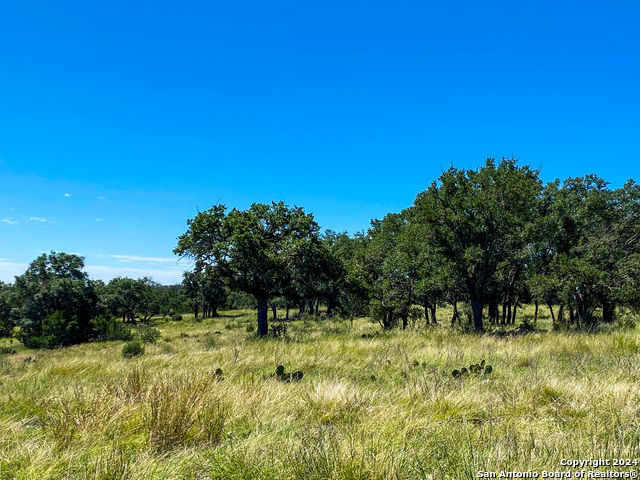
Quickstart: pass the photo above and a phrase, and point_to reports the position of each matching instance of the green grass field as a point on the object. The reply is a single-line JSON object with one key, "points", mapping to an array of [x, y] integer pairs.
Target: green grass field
{"points": [[382, 406]]}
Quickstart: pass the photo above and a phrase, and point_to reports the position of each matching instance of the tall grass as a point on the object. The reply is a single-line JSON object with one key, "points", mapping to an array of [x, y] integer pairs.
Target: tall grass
{"points": [[371, 405]]}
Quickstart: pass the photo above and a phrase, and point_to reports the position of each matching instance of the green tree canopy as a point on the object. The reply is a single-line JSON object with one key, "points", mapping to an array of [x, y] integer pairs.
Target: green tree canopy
{"points": [[133, 299], [480, 220], [590, 248], [55, 300], [258, 251], [204, 290]]}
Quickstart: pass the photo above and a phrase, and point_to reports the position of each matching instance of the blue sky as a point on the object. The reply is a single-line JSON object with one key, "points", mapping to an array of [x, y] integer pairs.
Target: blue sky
{"points": [[118, 120]]}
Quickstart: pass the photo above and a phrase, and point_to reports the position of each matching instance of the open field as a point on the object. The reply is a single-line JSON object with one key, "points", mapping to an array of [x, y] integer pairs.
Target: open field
{"points": [[382, 406]]}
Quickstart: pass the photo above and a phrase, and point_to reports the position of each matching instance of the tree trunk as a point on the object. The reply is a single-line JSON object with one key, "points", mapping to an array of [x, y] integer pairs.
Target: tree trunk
{"points": [[476, 307], [535, 314], [455, 315], [263, 323], [274, 311], [286, 315], [214, 311], [513, 318], [389, 320], [608, 309], [434, 320], [561, 314], [553, 318]]}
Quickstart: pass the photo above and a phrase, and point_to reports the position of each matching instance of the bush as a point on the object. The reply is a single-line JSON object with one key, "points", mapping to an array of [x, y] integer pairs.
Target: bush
{"points": [[56, 331], [6, 327], [132, 349], [148, 334], [106, 328]]}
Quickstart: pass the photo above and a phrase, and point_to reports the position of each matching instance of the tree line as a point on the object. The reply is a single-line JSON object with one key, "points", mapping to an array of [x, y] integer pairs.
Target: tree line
{"points": [[54, 303], [483, 240], [491, 238]]}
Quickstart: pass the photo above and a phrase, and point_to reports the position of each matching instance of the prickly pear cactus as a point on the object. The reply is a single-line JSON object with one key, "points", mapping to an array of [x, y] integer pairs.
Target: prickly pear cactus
{"points": [[476, 368]]}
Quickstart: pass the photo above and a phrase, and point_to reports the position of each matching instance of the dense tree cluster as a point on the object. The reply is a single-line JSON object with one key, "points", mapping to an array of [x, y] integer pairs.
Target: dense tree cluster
{"points": [[488, 239], [54, 303], [495, 237], [491, 238]]}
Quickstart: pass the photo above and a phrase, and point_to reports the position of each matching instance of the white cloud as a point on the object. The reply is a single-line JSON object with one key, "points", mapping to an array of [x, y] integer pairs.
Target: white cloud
{"points": [[136, 258], [38, 219], [9, 220], [102, 198], [166, 277], [98, 219], [67, 194], [9, 270]]}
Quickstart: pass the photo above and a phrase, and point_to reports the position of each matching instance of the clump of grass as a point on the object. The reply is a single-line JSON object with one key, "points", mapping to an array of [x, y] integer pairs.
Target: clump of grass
{"points": [[184, 410], [209, 341], [134, 384]]}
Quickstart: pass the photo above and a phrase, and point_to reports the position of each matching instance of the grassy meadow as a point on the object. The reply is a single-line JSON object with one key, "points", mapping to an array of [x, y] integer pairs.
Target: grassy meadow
{"points": [[371, 404]]}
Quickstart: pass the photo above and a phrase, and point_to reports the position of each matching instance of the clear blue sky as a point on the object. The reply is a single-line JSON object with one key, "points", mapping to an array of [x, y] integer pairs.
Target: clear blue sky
{"points": [[118, 120]]}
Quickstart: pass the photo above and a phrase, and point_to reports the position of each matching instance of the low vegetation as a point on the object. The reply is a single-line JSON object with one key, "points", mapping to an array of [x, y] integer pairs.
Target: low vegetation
{"points": [[371, 404], [489, 327]]}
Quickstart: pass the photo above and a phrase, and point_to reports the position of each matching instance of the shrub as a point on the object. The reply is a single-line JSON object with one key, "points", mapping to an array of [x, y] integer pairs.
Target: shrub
{"points": [[132, 349], [106, 328], [56, 331], [148, 334]]}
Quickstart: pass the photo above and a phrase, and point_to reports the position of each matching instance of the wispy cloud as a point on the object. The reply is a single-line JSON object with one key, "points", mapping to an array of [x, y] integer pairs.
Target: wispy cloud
{"points": [[37, 219], [136, 258], [98, 219], [167, 277], [9, 270], [9, 220], [67, 194], [102, 198]]}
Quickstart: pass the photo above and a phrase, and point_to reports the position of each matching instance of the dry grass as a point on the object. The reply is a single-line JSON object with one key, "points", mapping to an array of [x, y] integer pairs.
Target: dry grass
{"points": [[379, 407]]}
